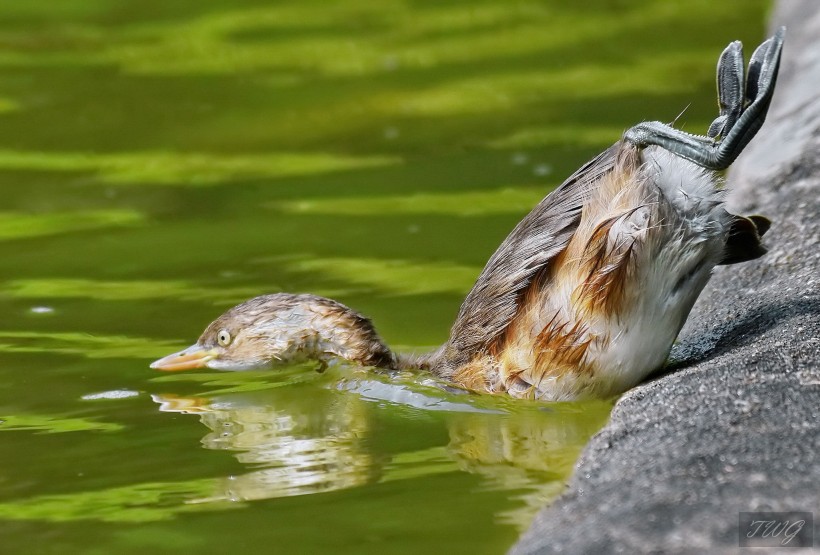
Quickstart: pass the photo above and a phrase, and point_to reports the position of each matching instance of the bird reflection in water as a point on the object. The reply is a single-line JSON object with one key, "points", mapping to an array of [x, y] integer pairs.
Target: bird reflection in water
{"points": [[292, 448], [300, 449]]}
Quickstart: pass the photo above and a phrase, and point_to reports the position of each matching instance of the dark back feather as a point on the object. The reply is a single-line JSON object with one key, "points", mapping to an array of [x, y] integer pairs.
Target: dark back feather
{"points": [[536, 240]]}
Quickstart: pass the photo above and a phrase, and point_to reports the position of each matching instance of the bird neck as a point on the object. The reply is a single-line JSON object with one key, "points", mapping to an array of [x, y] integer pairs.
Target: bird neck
{"points": [[339, 332]]}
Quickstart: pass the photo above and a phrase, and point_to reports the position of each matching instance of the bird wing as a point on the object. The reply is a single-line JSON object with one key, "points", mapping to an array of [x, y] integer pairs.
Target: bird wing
{"points": [[535, 241]]}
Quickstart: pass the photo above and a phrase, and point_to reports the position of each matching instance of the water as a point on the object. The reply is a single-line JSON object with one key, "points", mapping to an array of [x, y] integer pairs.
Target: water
{"points": [[161, 161]]}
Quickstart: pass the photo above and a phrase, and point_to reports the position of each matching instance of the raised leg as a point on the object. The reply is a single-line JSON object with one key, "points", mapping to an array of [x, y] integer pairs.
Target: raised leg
{"points": [[742, 113]]}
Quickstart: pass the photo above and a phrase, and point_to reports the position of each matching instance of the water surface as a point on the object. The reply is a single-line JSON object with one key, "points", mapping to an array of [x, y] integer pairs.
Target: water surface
{"points": [[161, 161]]}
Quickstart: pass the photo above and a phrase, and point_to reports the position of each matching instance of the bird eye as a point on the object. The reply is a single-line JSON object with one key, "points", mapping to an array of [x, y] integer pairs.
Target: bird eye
{"points": [[224, 337]]}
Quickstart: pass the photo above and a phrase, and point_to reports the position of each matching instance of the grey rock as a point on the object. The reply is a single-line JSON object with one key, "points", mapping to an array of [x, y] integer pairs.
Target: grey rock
{"points": [[734, 424]]}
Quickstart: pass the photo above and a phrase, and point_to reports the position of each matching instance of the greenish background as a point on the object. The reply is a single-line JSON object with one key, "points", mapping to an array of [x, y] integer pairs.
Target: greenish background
{"points": [[161, 161]]}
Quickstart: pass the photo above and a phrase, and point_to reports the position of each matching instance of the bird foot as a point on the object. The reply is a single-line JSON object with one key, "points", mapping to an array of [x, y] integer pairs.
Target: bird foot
{"points": [[743, 100]]}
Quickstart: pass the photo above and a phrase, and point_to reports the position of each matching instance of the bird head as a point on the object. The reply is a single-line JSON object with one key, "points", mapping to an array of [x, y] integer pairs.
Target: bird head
{"points": [[279, 329]]}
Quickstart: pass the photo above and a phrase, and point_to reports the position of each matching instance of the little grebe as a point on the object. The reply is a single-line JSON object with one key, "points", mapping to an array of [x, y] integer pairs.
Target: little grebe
{"points": [[586, 295]]}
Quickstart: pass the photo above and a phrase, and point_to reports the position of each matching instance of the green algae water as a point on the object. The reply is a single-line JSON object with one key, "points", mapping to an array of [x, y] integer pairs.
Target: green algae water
{"points": [[161, 161]]}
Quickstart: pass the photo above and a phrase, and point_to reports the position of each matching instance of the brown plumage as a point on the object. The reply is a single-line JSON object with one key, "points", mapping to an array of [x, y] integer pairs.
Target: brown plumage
{"points": [[586, 294]]}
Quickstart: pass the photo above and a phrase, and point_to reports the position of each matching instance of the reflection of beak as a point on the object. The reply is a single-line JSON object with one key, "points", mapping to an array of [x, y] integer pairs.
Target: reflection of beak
{"points": [[186, 405], [192, 357]]}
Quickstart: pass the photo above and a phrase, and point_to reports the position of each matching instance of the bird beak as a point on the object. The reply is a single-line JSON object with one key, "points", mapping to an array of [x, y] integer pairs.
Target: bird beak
{"points": [[194, 356]]}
